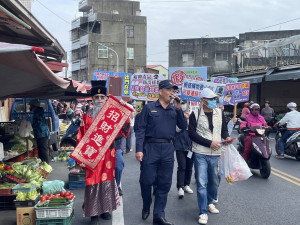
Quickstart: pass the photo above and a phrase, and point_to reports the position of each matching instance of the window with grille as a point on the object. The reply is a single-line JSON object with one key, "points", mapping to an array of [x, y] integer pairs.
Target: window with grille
{"points": [[130, 53], [188, 59], [130, 31], [221, 56], [102, 52]]}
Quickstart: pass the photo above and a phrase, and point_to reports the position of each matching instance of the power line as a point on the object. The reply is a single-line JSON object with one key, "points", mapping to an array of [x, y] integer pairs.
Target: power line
{"points": [[54, 13]]}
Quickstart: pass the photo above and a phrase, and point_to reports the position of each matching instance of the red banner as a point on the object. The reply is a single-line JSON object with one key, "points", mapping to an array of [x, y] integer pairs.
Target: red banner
{"points": [[102, 133]]}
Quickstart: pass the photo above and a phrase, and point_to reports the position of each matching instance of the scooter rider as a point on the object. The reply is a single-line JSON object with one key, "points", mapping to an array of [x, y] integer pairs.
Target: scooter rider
{"points": [[252, 119], [292, 121]]}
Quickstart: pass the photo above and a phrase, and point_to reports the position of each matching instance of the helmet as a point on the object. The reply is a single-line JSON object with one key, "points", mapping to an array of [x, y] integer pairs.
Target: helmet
{"points": [[246, 104], [292, 105], [254, 106]]}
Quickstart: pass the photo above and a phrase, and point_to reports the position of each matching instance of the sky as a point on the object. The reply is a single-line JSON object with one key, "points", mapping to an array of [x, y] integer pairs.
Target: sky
{"points": [[181, 19]]}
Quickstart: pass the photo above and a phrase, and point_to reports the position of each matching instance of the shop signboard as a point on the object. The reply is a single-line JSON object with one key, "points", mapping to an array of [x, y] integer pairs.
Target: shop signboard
{"points": [[126, 84], [144, 86]]}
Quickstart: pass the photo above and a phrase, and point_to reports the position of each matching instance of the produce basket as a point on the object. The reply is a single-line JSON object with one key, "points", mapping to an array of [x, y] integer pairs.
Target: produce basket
{"points": [[5, 192], [19, 187], [75, 185], [77, 176], [54, 212], [56, 221], [30, 203]]}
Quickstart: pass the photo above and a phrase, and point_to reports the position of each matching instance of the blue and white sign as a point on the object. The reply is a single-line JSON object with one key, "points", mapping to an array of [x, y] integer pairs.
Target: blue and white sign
{"points": [[126, 85]]}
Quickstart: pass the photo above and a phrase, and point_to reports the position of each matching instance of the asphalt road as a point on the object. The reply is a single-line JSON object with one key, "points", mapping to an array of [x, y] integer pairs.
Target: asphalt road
{"points": [[274, 201]]}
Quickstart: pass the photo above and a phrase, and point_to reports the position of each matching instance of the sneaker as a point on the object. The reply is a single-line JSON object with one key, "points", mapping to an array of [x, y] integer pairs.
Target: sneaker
{"points": [[180, 193], [203, 218], [216, 200], [280, 156], [212, 208], [187, 189]]}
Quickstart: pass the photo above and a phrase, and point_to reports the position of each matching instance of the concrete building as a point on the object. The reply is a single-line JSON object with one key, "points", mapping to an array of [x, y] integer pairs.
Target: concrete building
{"points": [[110, 36], [262, 50], [213, 53]]}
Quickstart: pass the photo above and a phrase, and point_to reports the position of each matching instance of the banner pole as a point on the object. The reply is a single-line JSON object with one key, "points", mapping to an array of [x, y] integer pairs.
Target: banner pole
{"points": [[235, 110]]}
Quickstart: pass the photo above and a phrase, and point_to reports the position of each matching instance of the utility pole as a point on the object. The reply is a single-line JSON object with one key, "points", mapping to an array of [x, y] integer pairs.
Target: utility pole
{"points": [[125, 46]]}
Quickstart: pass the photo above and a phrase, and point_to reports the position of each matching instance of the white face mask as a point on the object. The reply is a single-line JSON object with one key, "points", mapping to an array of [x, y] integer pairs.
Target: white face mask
{"points": [[184, 107]]}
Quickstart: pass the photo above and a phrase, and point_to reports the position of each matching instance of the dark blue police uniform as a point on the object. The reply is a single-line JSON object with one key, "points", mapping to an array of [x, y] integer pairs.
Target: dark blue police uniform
{"points": [[154, 136]]}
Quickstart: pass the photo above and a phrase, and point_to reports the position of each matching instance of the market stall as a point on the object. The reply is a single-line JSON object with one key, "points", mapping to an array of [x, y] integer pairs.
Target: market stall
{"points": [[22, 175]]}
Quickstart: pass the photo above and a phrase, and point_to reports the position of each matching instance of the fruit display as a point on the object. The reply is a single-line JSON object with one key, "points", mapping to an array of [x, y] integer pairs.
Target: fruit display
{"points": [[68, 195]]}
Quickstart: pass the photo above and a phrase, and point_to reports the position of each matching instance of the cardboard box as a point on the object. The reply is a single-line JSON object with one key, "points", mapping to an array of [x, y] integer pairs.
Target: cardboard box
{"points": [[26, 216]]}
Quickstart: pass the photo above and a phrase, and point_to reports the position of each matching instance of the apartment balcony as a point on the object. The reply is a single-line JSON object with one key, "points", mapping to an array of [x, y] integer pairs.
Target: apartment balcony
{"points": [[75, 65], [83, 63], [80, 20], [80, 42], [75, 44], [84, 5], [91, 17]]}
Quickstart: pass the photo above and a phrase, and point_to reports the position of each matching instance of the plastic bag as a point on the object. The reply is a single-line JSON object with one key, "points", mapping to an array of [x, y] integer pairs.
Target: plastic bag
{"points": [[235, 167], [53, 187]]}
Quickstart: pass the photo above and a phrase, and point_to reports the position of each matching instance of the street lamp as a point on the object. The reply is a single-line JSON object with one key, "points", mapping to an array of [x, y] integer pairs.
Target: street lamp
{"points": [[114, 52]]}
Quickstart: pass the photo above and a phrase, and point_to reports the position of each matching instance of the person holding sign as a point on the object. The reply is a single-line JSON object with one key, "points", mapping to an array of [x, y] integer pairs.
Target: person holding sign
{"points": [[155, 150], [101, 192], [207, 127]]}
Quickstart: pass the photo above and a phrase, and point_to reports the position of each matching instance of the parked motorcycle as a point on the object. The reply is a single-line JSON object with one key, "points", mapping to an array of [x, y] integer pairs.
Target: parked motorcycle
{"points": [[260, 149], [292, 145], [70, 138]]}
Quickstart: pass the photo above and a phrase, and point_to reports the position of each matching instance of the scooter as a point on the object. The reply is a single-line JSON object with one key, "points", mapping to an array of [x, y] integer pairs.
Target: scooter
{"points": [[70, 138], [292, 145], [260, 150]]}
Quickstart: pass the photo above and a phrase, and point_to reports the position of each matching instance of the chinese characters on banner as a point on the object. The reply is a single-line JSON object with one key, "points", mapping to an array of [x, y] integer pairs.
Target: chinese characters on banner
{"points": [[101, 134], [191, 89], [237, 92], [144, 86], [224, 80], [126, 84], [178, 74]]}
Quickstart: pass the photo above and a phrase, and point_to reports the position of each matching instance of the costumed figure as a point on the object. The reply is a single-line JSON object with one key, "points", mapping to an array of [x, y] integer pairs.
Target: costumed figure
{"points": [[101, 191]]}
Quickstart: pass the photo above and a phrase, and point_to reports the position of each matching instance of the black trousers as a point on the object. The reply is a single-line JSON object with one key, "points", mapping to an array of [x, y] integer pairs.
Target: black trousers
{"points": [[184, 169], [43, 148]]}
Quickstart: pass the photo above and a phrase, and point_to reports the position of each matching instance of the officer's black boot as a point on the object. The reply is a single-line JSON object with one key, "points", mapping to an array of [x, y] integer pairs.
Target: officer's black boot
{"points": [[161, 221], [145, 213]]}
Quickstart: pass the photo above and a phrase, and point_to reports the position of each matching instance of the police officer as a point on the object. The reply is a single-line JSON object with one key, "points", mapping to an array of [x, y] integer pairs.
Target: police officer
{"points": [[155, 149]]}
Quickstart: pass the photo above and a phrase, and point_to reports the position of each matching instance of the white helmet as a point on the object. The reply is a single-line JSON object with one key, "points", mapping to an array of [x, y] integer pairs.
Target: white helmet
{"points": [[292, 106]]}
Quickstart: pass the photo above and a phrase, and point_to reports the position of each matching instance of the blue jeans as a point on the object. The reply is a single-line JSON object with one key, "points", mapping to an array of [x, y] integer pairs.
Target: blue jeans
{"points": [[119, 166], [283, 139], [206, 174]]}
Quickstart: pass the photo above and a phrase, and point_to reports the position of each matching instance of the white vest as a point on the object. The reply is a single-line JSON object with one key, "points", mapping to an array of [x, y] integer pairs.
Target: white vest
{"points": [[204, 131]]}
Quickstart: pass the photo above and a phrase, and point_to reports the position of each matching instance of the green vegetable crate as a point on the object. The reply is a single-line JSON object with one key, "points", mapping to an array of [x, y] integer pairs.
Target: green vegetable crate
{"points": [[20, 187], [54, 212], [56, 221]]}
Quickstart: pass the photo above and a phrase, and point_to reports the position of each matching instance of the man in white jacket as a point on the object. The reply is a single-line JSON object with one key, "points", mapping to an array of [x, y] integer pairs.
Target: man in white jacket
{"points": [[207, 127], [292, 121]]}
